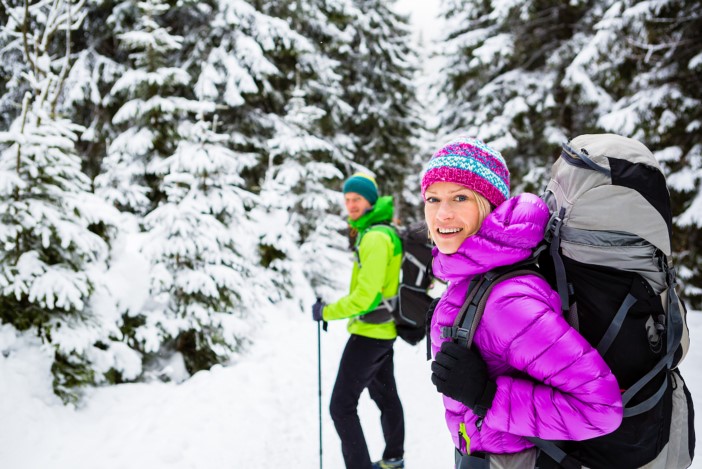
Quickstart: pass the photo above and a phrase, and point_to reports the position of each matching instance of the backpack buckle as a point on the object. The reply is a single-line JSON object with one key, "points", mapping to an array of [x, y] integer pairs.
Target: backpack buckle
{"points": [[456, 333], [553, 227], [671, 276]]}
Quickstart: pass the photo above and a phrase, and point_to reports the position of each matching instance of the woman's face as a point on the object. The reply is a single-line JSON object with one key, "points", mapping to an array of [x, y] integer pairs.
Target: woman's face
{"points": [[453, 213]]}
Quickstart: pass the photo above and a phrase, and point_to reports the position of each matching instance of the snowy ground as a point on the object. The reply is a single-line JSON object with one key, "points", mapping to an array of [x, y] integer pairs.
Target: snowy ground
{"points": [[258, 413]]}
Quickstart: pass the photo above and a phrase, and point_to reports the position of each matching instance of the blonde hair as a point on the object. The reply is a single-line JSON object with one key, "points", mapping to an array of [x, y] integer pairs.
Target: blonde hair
{"points": [[484, 206], [484, 209]]}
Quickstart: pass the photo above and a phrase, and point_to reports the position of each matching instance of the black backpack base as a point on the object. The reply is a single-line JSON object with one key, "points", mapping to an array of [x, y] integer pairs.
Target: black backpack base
{"points": [[639, 344], [663, 437], [410, 313]]}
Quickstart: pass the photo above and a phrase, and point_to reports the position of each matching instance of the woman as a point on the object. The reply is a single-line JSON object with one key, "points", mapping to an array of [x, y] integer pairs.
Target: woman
{"points": [[529, 374]]}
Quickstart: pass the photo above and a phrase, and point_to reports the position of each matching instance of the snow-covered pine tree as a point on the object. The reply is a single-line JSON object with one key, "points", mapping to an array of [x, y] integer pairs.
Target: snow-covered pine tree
{"points": [[206, 283], [51, 258], [640, 74], [504, 62], [96, 68], [527, 75], [202, 287], [237, 67], [250, 72], [308, 151], [379, 85], [301, 242], [12, 65], [154, 96], [325, 25]]}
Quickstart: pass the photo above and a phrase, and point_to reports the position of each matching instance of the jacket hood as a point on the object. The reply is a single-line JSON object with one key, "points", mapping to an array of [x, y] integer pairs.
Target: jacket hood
{"points": [[381, 212], [508, 235]]}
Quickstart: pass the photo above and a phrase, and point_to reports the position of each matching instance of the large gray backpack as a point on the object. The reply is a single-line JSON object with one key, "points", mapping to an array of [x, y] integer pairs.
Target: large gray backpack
{"points": [[610, 247], [607, 252]]}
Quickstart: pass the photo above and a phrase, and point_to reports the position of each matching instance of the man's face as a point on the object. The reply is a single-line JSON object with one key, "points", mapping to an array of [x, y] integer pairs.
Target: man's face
{"points": [[356, 205]]}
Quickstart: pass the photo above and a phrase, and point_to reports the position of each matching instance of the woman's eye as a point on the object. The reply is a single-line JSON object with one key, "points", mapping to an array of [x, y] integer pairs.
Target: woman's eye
{"points": [[461, 198], [431, 200]]}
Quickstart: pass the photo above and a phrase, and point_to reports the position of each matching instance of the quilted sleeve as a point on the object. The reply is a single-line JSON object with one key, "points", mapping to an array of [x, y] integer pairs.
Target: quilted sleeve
{"points": [[562, 389]]}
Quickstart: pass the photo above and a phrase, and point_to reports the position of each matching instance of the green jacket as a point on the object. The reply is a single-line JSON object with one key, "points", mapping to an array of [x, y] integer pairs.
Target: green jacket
{"points": [[376, 273]]}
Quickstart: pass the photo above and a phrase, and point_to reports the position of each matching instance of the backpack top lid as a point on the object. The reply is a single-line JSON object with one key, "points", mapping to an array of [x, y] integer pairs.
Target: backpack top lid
{"points": [[621, 188]]}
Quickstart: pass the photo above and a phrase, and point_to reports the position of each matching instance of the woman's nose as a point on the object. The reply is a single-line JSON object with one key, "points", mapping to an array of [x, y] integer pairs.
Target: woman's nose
{"points": [[445, 212]]}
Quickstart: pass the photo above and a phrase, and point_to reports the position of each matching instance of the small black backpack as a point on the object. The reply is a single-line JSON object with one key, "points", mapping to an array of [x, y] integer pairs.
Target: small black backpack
{"points": [[410, 306]]}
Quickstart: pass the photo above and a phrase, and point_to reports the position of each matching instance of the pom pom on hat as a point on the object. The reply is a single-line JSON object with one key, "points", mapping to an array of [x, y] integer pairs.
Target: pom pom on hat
{"points": [[364, 185], [470, 163]]}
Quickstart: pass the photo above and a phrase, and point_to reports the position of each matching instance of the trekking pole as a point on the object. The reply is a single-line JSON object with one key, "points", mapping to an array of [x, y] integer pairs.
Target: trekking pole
{"points": [[319, 387]]}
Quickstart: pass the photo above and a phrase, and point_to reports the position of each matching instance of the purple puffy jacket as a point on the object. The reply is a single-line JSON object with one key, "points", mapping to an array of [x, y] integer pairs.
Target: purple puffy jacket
{"points": [[551, 383]]}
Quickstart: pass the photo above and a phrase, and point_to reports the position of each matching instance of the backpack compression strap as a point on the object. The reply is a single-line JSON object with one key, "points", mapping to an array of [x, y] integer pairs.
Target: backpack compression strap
{"points": [[673, 320], [554, 233], [673, 333], [674, 330]]}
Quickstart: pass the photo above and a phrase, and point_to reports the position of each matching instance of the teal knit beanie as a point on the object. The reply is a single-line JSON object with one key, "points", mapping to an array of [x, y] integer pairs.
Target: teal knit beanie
{"points": [[364, 185]]}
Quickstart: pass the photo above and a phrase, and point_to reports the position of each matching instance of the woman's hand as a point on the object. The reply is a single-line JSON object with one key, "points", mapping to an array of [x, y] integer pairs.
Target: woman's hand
{"points": [[461, 374]]}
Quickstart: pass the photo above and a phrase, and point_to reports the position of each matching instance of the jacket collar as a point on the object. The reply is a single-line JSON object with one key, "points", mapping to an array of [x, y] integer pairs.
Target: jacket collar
{"points": [[381, 212], [507, 235]]}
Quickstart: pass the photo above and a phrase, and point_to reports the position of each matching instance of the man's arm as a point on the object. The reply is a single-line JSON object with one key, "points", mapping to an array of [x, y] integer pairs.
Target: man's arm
{"points": [[374, 251]]}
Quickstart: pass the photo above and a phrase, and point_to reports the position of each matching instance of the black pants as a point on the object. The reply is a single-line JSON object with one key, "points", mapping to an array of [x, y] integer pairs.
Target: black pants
{"points": [[367, 363]]}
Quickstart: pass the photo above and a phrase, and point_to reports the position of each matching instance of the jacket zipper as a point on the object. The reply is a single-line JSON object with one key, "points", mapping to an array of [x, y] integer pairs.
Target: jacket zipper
{"points": [[463, 435]]}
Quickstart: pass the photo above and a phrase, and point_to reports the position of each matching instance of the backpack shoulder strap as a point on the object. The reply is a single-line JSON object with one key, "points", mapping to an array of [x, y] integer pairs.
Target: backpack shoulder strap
{"points": [[391, 231], [473, 308], [479, 289]]}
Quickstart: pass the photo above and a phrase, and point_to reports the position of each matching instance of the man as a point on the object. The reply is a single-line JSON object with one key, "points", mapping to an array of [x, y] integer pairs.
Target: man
{"points": [[367, 361]]}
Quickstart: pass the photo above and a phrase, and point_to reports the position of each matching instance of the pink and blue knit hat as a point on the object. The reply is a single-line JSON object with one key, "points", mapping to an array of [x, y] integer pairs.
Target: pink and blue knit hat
{"points": [[470, 163]]}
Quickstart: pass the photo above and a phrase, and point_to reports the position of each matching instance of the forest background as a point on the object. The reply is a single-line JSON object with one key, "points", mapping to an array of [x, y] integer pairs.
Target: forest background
{"points": [[201, 146]]}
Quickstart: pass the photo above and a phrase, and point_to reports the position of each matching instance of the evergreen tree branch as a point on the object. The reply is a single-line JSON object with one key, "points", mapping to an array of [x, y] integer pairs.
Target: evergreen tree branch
{"points": [[686, 19], [654, 48], [25, 108], [51, 24], [25, 32], [64, 70], [9, 12]]}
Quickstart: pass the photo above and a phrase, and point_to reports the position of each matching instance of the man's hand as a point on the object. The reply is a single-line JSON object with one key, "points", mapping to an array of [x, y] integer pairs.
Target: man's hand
{"points": [[317, 309]]}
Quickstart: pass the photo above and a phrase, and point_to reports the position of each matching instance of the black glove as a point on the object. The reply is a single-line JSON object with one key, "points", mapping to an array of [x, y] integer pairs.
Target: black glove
{"points": [[461, 374], [317, 310]]}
